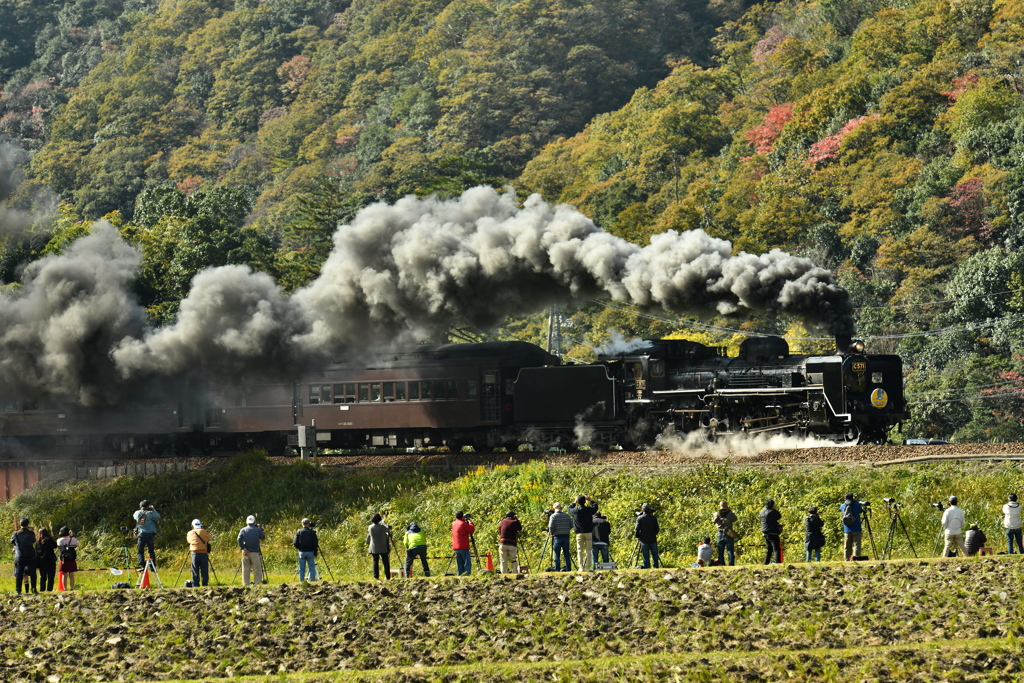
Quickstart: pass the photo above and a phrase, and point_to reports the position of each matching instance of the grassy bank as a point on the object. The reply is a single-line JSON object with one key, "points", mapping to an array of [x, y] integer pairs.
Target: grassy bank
{"points": [[342, 503]]}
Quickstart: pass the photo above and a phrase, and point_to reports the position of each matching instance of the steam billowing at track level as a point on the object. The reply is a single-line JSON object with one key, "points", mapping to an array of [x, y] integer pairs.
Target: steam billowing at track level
{"points": [[397, 274]]}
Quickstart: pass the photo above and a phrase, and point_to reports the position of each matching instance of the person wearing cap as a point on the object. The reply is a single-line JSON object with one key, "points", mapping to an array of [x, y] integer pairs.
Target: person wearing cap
{"points": [[249, 538], [559, 526], [24, 540], [462, 530], [583, 524], [814, 537], [646, 531], [145, 531], [953, 529], [415, 546], [771, 528], [1011, 522], [308, 545], [602, 537], [199, 544], [850, 512], [508, 543]]}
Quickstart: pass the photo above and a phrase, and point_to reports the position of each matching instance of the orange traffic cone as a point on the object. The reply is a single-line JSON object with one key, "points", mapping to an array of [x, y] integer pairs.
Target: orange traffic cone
{"points": [[490, 562], [60, 581], [145, 579]]}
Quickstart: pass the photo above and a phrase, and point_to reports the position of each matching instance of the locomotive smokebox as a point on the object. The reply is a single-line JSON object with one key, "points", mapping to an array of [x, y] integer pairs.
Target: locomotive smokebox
{"points": [[843, 342]]}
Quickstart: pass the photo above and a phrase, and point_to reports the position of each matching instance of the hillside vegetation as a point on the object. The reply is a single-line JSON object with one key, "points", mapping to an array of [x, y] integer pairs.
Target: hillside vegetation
{"points": [[881, 138], [342, 503]]}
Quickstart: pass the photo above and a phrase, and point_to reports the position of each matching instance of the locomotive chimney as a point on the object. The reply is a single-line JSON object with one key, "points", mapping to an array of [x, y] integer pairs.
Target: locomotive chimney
{"points": [[843, 342]]}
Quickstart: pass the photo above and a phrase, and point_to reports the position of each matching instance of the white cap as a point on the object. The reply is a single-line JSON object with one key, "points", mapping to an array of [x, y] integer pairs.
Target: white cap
{"points": [[251, 519], [196, 524]]}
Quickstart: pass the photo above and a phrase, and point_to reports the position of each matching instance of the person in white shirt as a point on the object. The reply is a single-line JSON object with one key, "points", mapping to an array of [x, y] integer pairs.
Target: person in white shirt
{"points": [[1011, 521], [953, 526]]}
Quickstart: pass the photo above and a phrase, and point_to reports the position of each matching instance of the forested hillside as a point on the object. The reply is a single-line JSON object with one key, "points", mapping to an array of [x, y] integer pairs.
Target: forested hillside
{"points": [[882, 139]]}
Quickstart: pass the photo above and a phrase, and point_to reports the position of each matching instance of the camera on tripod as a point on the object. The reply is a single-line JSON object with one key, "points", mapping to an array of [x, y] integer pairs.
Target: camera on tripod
{"points": [[938, 506], [892, 504]]}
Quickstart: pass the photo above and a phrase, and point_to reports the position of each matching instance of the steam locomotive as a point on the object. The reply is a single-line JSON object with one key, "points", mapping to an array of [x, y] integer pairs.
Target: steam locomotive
{"points": [[496, 394]]}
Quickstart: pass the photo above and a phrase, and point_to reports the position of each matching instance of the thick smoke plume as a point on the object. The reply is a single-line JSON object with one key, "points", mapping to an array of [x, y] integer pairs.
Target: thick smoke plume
{"points": [[397, 273]]}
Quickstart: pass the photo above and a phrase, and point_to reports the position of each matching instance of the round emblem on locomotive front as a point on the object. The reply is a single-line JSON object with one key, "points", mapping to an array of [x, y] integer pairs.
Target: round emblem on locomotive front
{"points": [[879, 398]]}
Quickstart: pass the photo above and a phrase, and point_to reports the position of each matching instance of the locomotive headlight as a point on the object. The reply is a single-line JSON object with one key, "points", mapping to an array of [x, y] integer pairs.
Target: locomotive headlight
{"points": [[858, 347]]}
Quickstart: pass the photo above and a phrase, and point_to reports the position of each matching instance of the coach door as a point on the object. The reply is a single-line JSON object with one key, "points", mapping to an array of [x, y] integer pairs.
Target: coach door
{"points": [[490, 396]]}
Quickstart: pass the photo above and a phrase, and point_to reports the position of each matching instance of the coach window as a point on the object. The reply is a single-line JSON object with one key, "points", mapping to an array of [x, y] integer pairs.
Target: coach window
{"points": [[439, 390], [345, 393], [314, 394], [452, 389], [425, 391], [414, 391], [389, 392], [470, 388], [375, 393], [364, 393], [399, 391]]}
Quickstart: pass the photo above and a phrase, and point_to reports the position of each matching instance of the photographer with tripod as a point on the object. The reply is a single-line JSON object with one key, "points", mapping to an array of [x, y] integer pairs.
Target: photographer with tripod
{"points": [[559, 526], [851, 513], [583, 524], [508, 543], [199, 545], [378, 537], [953, 529], [308, 545], [146, 518], [462, 532], [249, 538]]}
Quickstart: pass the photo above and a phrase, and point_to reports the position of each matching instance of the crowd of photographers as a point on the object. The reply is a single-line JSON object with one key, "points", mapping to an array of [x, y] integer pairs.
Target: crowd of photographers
{"points": [[39, 551]]}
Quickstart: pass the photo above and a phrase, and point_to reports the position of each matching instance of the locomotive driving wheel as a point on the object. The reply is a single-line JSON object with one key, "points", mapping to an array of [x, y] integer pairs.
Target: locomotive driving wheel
{"points": [[852, 434]]}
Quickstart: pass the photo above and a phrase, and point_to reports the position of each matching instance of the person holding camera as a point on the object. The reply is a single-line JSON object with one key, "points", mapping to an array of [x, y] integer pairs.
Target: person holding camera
{"points": [[646, 531], [308, 545], [508, 543], [24, 541], [559, 526], [953, 529], [814, 537], [771, 527], [583, 524], [249, 538], [602, 538], [974, 540], [462, 529], [146, 518], [415, 546], [199, 546], [1011, 522], [724, 519], [378, 537], [851, 512]]}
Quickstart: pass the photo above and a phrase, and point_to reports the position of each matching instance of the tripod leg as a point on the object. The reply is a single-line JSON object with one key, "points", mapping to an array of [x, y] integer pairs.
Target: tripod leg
{"points": [[323, 558], [181, 569], [214, 571], [907, 534], [449, 565]]}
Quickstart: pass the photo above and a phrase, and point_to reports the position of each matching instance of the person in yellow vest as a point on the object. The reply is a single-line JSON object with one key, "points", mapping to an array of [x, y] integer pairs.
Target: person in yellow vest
{"points": [[199, 543]]}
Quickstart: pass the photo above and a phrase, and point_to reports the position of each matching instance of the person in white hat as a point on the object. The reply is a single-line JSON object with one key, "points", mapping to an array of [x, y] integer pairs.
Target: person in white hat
{"points": [[199, 544], [252, 559]]}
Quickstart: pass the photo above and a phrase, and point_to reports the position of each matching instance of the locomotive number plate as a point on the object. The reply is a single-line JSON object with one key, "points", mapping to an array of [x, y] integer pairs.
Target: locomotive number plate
{"points": [[860, 366]]}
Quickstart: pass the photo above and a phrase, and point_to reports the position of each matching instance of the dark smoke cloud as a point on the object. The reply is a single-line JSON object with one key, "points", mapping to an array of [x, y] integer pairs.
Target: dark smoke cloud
{"points": [[397, 273], [14, 220], [57, 332]]}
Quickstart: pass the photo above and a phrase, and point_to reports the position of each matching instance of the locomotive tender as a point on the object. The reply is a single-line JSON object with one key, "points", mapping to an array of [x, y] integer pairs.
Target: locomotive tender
{"points": [[495, 394]]}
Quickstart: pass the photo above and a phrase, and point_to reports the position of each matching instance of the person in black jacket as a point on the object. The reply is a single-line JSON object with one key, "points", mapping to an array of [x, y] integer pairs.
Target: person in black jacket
{"points": [[602, 536], [814, 538], [583, 524], [24, 541], [646, 531], [772, 530], [974, 540], [308, 545], [46, 559]]}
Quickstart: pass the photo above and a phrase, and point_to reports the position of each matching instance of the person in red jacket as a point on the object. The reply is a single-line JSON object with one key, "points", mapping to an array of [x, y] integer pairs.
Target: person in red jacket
{"points": [[462, 529]]}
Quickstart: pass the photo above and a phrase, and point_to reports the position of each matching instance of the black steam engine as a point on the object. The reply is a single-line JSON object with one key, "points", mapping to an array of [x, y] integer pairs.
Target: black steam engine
{"points": [[496, 394]]}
